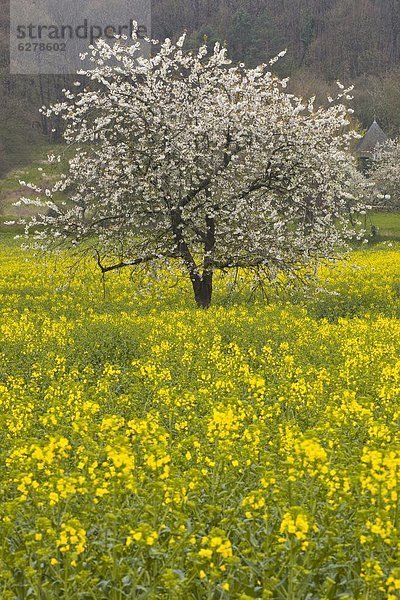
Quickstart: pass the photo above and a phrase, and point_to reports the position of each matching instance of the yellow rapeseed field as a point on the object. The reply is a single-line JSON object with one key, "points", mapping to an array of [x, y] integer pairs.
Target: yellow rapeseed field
{"points": [[152, 450]]}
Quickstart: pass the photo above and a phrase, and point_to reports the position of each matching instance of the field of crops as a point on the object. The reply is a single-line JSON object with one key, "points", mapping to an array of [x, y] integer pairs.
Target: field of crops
{"points": [[152, 450]]}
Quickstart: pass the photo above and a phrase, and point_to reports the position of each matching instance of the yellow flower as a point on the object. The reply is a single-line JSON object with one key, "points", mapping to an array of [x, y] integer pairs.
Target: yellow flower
{"points": [[72, 537], [297, 525], [150, 539], [225, 586]]}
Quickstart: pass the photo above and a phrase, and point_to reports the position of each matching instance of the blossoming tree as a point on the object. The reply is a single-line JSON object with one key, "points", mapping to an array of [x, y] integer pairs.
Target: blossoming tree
{"points": [[186, 157], [386, 175]]}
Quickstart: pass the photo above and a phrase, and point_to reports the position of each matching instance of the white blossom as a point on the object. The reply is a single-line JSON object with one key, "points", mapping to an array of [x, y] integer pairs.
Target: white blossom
{"points": [[385, 175]]}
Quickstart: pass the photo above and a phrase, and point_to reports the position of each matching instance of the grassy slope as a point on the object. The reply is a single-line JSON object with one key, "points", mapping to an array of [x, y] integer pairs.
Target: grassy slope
{"points": [[11, 190], [388, 224]]}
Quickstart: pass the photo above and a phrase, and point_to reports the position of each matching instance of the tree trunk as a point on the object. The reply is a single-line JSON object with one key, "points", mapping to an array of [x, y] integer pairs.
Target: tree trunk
{"points": [[202, 287]]}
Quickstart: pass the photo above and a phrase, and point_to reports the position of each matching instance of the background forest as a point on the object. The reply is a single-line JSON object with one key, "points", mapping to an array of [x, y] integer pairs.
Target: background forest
{"points": [[368, 56]]}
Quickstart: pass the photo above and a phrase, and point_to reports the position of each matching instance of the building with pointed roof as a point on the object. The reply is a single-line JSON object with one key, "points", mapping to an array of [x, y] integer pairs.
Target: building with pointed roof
{"points": [[374, 137]]}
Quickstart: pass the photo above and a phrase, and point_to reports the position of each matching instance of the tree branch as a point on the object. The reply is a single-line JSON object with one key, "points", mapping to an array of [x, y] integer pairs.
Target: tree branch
{"points": [[130, 263]]}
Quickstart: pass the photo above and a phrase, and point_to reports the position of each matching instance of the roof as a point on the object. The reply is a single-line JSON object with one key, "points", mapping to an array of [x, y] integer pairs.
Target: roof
{"points": [[374, 137]]}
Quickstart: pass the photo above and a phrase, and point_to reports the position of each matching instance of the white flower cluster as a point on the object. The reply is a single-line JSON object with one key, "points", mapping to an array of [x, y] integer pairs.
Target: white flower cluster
{"points": [[386, 175]]}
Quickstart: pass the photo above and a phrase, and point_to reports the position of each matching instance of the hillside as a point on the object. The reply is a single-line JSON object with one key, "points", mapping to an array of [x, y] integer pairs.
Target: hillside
{"points": [[254, 30]]}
